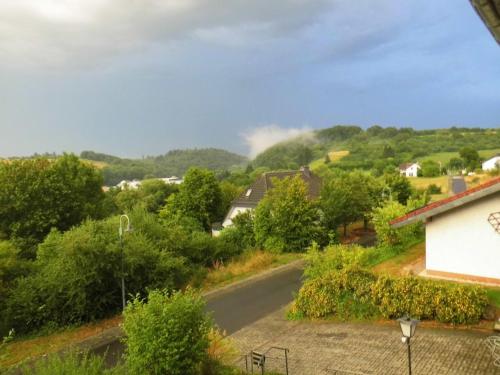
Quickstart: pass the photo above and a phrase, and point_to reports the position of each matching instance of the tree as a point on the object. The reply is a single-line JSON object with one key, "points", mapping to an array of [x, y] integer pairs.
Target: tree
{"points": [[399, 186], [347, 198], [388, 152], [229, 192], [38, 194], [199, 197], [327, 159], [285, 220], [456, 164], [430, 168], [168, 334], [470, 157]]}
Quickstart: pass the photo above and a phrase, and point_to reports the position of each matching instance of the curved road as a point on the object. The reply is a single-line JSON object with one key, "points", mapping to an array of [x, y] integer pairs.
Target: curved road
{"points": [[235, 308]]}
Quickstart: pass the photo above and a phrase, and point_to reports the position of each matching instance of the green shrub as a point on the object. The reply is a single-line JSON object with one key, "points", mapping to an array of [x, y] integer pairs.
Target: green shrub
{"points": [[434, 189], [345, 293], [354, 292], [167, 334], [429, 299]]}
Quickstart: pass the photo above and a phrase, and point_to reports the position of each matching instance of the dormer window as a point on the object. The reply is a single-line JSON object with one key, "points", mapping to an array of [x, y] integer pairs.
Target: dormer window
{"points": [[249, 191]]}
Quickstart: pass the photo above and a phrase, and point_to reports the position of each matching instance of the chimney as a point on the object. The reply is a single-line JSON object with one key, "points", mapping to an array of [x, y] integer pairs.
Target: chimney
{"points": [[305, 170]]}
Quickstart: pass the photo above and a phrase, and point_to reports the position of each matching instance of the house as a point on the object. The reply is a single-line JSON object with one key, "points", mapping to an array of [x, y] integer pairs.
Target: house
{"points": [[134, 184], [172, 180], [462, 236], [492, 164], [409, 169], [250, 198]]}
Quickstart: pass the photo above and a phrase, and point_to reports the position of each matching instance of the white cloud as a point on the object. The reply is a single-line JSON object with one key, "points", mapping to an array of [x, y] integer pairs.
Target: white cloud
{"points": [[261, 138]]}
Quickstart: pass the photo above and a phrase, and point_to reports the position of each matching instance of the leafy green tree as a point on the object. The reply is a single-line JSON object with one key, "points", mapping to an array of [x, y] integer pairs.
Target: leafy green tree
{"points": [[430, 168], [38, 194], [399, 186], [388, 152], [199, 197], [229, 192], [471, 158], [456, 164], [285, 220], [168, 334]]}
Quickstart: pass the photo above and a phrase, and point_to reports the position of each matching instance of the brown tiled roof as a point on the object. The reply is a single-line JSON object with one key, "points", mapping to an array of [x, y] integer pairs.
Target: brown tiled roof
{"points": [[443, 205], [254, 194]]}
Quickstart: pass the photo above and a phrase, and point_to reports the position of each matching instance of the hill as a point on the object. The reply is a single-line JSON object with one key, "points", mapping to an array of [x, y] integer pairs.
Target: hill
{"points": [[376, 148], [175, 162]]}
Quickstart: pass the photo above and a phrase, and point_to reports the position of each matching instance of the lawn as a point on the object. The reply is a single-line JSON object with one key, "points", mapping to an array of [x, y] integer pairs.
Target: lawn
{"points": [[494, 296], [333, 155], [444, 157], [402, 262], [424, 182]]}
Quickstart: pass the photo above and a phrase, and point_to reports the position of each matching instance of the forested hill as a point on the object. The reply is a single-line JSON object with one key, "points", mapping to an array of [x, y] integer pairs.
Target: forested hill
{"points": [[173, 163], [377, 148]]}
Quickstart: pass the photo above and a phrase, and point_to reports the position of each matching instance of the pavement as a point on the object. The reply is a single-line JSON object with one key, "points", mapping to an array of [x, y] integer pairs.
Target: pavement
{"points": [[326, 348], [232, 307]]}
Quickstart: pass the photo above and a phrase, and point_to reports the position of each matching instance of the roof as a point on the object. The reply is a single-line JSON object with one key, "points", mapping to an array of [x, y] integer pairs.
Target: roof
{"points": [[405, 166], [254, 194], [490, 187], [489, 11]]}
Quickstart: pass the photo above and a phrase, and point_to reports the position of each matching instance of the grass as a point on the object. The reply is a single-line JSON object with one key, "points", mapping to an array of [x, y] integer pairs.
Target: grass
{"points": [[444, 157], [424, 182], [396, 264], [248, 264], [19, 350], [494, 297], [333, 155]]}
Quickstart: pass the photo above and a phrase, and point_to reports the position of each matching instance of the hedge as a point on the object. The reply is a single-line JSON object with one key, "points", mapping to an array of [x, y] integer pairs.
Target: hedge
{"points": [[356, 292]]}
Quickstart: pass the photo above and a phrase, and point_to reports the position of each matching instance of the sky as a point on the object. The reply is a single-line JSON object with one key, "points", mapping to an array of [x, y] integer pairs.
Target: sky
{"points": [[142, 77]]}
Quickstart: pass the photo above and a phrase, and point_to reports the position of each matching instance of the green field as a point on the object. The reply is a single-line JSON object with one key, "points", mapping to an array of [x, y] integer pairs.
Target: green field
{"points": [[334, 157], [444, 157]]}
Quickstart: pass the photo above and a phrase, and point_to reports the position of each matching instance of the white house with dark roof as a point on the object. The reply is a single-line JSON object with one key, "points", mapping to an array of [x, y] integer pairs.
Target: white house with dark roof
{"points": [[409, 169], [250, 198], [462, 234]]}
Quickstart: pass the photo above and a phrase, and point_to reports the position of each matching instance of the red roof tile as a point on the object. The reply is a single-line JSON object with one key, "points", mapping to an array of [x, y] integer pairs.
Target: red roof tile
{"points": [[442, 202]]}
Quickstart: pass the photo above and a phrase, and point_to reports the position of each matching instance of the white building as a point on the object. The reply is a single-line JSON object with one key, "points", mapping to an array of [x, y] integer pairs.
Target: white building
{"points": [[462, 236], [134, 184], [492, 164], [409, 169]]}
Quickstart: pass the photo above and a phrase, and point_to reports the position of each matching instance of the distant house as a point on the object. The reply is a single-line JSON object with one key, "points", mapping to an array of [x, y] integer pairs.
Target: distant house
{"points": [[409, 169], [134, 184], [462, 239], [250, 198], [492, 164], [172, 180]]}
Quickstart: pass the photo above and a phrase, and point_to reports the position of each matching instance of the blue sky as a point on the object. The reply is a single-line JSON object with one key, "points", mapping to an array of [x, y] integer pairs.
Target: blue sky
{"points": [[135, 78]]}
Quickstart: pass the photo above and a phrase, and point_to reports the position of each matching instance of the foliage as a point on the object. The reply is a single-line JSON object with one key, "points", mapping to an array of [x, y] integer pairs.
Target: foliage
{"points": [[399, 187], [471, 158], [71, 363], [168, 334], [175, 162], [199, 197], [285, 220], [429, 299], [430, 168], [286, 155], [37, 195], [348, 197], [434, 189], [229, 192], [243, 226], [386, 234], [77, 275]]}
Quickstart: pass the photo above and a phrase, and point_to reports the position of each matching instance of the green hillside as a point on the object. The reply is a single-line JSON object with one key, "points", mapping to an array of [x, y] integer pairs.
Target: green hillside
{"points": [[377, 148], [175, 162]]}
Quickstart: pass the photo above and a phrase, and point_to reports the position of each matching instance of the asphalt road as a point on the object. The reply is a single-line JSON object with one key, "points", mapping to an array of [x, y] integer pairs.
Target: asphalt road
{"points": [[237, 308]]}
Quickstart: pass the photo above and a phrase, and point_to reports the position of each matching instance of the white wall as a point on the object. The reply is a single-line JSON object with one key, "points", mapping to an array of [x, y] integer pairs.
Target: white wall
{"points": [[233, 212], [491, 164], [463, 241]]}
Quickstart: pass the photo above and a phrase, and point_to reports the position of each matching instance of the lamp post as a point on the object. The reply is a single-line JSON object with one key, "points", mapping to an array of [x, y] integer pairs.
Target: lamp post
{"points": [[120, 233], [408, 327]]}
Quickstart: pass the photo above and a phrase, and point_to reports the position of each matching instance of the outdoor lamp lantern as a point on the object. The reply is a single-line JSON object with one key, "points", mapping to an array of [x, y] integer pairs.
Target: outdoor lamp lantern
{"points": [[408, 327]]}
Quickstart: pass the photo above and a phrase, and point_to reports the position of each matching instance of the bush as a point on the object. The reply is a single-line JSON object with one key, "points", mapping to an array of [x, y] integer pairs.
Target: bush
{"points": [[433, 189], [429, 299], [351, 291], [345, 293], [167, 334]]}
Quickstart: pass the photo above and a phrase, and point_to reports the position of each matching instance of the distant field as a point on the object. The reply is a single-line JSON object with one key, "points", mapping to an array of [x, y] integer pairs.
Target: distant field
{"points": [[444, 157], [97, 164], [424, 182], [334, 157]]}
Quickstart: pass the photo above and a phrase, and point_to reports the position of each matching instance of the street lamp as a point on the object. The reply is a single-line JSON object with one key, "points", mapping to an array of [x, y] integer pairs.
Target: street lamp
{"points": [[408, 327], [120, 233]]}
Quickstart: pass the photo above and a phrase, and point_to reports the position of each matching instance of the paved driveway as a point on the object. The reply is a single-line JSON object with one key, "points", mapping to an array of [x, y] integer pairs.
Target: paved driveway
{"points": [[342, 348]]}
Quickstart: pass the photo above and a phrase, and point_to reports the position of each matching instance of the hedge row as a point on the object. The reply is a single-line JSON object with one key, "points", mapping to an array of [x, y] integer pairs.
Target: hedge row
{"points": [[356, 292]]}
